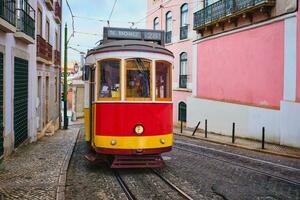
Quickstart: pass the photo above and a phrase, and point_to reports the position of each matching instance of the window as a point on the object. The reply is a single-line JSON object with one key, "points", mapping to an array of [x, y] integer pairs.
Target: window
{"points": [[56, 41], [169, 27], [109, 82], [184, 21], [183, 70], [156, 23], [163, 80], [138, 79], [56, 90], [39, 22], [47, 31]]}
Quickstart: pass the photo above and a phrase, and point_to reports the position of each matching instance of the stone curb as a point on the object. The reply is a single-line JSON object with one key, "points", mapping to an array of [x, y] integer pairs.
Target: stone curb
{"points": [[241, 146], [61, 189]]}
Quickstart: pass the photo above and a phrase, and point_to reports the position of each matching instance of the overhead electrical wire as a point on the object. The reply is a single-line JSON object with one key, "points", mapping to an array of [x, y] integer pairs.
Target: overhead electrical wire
{"points": [[112, 10]]}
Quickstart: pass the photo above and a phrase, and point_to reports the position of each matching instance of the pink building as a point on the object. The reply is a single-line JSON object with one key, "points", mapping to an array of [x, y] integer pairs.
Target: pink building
{"points": [[247, 68], [176, 18]]}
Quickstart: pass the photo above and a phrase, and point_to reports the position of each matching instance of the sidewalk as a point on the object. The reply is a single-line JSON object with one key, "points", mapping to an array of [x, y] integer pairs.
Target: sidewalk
{"points": [[241, 143], [36, 170]]}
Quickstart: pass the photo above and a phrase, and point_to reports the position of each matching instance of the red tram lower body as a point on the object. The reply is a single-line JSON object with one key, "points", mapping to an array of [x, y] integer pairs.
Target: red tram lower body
{"points": [[114, 128]]}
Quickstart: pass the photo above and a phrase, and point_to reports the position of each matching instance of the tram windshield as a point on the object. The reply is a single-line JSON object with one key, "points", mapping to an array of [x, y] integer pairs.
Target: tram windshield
{"points": [[138, 73], [110, 79]]}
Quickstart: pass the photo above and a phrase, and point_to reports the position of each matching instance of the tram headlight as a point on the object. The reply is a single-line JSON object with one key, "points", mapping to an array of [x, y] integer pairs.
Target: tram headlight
{"points": [[139, 129]]}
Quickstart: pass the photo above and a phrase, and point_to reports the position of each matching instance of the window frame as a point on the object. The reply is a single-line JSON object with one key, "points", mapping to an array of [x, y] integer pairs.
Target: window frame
{"points": [[184, 12], [98, 87], [125, 81], [180, 66], [156, 22], [171, 81]]}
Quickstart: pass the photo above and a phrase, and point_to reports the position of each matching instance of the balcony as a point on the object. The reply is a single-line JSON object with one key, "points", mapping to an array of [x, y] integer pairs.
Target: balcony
{"points": [[57, 58], [25, 22], [182, 81], [49, 4], [183, 32], [57, 16], [168, 37], [43, 51], [226, 10], [8, 15]]}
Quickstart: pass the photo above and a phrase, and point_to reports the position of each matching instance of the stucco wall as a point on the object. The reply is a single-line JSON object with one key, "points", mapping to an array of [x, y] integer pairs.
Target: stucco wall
{"points": [[244, 67], [298, 57]]}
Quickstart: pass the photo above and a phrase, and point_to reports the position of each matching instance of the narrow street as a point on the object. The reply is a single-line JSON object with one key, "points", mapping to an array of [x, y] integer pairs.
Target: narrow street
{"points": [[201, 170]]}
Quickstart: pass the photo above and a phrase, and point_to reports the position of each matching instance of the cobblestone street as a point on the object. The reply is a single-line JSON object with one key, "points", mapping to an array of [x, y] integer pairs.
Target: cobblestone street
{"points": [[201, 169], [32, 172]]}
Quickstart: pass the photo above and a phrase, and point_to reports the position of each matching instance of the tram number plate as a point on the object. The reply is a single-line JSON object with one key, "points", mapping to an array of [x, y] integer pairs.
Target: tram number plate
{"points": [[152, 36]]}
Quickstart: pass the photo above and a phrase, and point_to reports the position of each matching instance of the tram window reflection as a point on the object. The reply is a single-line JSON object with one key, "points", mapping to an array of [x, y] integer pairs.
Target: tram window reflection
{"points": [[163, 80], [110, 79], [138, 78]]}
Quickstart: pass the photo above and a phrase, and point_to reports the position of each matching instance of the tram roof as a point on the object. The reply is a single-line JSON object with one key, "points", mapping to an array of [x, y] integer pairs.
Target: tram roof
{"points": [[130, 45]]}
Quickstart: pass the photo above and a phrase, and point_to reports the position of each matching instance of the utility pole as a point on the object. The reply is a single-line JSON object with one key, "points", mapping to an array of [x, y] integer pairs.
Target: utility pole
{"points": [[65, 79]]}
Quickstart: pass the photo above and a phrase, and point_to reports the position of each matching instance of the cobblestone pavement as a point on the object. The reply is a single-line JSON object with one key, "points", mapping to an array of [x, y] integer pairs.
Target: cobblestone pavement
{"points": [[208, 176], [32, 171]]}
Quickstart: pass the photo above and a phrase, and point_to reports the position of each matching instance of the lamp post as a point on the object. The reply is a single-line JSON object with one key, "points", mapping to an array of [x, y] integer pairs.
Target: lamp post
{"points": [[65, 80]]}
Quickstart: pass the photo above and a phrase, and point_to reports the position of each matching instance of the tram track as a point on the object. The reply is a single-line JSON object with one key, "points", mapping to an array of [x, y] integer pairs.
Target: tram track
{"points": [[297, 183], [129, 194]]}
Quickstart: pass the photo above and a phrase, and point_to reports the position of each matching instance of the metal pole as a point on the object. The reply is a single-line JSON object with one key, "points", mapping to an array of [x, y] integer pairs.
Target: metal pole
{"points": [[180, 125], [196, 128], [206, 128], [263, 138], [233, 132], [65, 79]]}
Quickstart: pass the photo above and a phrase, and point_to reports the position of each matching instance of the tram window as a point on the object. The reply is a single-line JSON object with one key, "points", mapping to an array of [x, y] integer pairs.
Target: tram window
{"points": [[163, 80], [138, 79], [109, 83]]}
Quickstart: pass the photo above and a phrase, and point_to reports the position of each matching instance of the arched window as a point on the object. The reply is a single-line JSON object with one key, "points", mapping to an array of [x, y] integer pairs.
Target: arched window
{"points": [[182, 111], [183, 70], [156, 23], [184, 21], [168, 27]]}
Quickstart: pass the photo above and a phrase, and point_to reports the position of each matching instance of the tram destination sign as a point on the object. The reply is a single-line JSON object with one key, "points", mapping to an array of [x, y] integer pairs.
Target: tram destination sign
{"points": [[133, 34]]}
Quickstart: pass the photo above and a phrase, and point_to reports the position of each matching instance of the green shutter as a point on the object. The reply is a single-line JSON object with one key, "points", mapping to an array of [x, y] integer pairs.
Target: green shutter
{"points": [[20, 101], [1, 104]]}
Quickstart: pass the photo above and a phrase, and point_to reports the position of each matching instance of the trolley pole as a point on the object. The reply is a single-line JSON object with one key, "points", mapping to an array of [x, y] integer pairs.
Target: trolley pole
{"points": [[65, 79]]}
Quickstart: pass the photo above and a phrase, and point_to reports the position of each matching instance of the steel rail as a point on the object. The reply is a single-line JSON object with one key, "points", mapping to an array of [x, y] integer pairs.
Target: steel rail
{"points": [[238, 155], [123, 185], [174, 187], [242, 166]]}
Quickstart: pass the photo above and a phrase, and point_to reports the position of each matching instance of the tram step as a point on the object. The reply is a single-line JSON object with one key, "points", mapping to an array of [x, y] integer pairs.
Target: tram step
{"points": [[145, 161]]}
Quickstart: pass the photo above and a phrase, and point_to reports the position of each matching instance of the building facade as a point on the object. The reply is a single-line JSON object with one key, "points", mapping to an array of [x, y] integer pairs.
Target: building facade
{"points": [[176, 18], [48, 40], [247, 69], [18, 73]]}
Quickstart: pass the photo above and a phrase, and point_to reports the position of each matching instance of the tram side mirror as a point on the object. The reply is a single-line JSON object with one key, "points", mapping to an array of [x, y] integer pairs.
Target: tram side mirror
{"points": [[86, 73]]}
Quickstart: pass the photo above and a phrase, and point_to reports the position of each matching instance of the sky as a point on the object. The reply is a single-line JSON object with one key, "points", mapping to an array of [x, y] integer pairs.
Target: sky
{"points": [[88, 31]]}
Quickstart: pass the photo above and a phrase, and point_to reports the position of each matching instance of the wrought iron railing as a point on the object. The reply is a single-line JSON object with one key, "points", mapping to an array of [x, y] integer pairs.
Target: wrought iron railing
{"points": [[8, 11], [182, 81], [168, 37], [44, 49], [184, 32], [223, 8], [25, 18]]}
